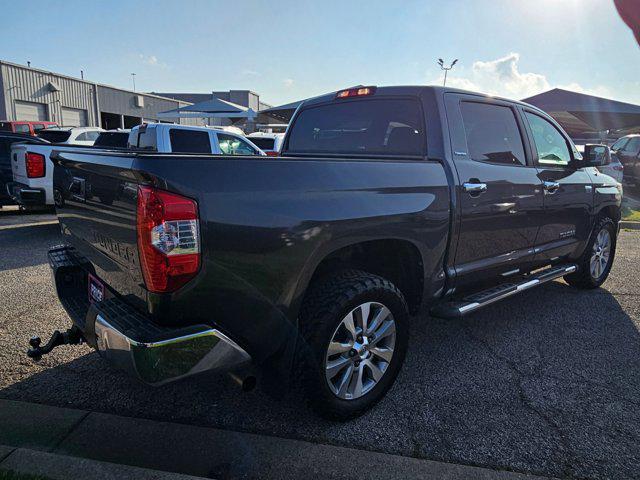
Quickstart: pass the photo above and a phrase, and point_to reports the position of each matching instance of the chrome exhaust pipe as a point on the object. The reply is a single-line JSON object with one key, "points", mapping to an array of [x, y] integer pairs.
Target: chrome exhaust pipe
{"points": [[246, 382]]}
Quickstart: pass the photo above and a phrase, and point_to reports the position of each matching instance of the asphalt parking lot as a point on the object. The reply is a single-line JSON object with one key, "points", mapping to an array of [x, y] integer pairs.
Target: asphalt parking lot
{"points": [[544, 383]]}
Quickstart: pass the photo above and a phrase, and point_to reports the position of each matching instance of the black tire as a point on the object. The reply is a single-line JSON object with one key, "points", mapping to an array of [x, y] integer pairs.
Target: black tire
{"points": [[583, 277], [328, 302]]}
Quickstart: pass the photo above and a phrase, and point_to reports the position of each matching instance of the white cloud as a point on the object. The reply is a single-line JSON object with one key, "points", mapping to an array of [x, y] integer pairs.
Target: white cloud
{"points": [[152, 61], [288, 82], [503, 77], [250, 73]]}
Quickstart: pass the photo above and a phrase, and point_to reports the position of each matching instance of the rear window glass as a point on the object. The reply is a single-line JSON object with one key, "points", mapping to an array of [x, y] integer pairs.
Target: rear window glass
{"points": [[189, 141], [22, 128], [147, 139], [54, 136], [112, 139], [374, 126], [263, 143]]}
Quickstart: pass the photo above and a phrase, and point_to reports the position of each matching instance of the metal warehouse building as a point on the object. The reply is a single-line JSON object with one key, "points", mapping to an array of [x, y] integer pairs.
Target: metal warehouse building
{"points": [[32, 94]]}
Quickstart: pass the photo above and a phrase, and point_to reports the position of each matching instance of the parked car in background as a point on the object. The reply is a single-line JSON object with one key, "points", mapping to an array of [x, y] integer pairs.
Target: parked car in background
{"points": [[32, 169], [269, 143], [7, 139], [71, 135], [171, 138], [383, 199], [113, 138], [26, 127], [627, 150], [608, 162]]}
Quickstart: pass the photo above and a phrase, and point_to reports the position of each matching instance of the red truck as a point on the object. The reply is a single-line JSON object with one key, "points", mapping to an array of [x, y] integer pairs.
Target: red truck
{"points": [[28, 127]]}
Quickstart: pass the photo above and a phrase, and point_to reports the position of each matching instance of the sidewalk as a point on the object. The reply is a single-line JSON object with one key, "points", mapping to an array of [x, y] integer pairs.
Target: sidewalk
{"points": [[42, 439]]}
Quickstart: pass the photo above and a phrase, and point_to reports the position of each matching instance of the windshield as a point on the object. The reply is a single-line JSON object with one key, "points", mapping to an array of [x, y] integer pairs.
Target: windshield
{"points": [[371, 126], [54, 136], [621, 142]]}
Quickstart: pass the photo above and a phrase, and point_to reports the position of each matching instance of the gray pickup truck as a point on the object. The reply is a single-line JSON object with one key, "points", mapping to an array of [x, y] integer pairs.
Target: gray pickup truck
{"points": [[307, 266]]}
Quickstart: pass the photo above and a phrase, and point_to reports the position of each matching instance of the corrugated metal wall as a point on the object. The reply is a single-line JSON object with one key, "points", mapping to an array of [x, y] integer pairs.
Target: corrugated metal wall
{"points": [[32, 85], [122, 102], [29, 85]]}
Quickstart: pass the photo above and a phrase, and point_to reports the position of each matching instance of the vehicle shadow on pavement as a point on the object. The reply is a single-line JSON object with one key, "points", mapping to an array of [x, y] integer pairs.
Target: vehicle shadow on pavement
{"points": [[22, 244], [543, 383]]}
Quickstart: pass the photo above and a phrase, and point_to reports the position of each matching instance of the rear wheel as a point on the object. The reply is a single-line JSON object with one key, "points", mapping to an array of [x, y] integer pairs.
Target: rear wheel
{"points": [[355, 331], [597, 259]]}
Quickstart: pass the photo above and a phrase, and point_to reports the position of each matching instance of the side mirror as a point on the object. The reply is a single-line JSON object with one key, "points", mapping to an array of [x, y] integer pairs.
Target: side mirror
{"points": [[596, 155]]}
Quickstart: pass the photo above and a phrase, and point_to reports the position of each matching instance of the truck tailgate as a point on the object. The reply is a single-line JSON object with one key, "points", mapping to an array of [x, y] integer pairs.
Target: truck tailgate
{"points": [[98, 217], [18, 166]]}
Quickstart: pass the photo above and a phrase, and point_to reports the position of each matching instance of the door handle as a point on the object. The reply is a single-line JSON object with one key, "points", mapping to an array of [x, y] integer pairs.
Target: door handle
{"points": [[551, 187], [474, 187]]}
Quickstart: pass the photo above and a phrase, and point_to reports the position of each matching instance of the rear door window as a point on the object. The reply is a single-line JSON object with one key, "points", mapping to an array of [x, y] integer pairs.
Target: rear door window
{"points": [[189, 141], [22, 128], [372, 126], [92, 136], [492, 133]]}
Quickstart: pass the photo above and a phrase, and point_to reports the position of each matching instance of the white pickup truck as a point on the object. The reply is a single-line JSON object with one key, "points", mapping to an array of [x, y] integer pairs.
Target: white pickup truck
{"points": [[169, 138], [32, 185]]}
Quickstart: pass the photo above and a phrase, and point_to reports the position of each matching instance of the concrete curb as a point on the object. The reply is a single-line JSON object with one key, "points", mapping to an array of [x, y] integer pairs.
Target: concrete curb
{"points": [[77, 437], [630, 225], [60, 467]]}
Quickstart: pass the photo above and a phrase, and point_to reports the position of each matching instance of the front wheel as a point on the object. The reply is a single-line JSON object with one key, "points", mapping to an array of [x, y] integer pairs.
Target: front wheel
{"points": [[596, 261], [354, 327]]}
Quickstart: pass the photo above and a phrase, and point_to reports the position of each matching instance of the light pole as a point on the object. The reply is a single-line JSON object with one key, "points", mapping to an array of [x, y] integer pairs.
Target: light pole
{"points": [[446, 69], [133, 78]]}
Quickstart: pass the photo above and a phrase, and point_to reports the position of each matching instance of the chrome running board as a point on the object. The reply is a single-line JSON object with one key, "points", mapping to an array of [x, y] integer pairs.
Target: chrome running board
{"points": [[467, 305]]}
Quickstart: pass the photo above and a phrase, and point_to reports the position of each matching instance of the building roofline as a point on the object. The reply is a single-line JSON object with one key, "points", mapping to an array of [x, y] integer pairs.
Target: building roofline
{"points": [[62, 75]]}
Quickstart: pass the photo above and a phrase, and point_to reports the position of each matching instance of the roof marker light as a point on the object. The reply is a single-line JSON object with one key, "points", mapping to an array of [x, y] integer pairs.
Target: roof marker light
{"points": [[356, 92]]}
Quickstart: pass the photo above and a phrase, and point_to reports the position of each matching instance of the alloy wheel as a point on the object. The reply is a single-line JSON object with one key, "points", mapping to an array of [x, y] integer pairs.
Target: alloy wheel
{"points": [[601, 254], [360, 350]]}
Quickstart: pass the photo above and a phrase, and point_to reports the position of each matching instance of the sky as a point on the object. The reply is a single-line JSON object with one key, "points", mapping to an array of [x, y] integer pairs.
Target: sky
{"points": [[291, 50]]}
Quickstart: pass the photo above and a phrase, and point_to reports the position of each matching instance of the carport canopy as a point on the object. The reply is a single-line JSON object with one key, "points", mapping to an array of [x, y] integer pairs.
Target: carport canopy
{"points": [[283, 112], [212, 108], [579, 113]]}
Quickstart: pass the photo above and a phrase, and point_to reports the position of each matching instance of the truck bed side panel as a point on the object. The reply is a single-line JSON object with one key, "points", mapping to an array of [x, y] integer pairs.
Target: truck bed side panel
{"points": [[267, 223]]}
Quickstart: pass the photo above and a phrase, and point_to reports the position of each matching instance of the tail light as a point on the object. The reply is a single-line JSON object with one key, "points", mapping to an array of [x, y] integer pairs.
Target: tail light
{"points": [[35, 165], [168, 239], [356, 92], [272, 153]]}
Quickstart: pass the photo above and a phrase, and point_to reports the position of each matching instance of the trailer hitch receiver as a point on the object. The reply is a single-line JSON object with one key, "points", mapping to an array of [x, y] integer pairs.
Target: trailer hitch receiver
{"points": [[72, 336]]}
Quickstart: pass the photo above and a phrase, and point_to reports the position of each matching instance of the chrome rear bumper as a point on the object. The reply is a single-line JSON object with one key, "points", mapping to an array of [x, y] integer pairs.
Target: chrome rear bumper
{"points": [[132, 341], [171, 359]]}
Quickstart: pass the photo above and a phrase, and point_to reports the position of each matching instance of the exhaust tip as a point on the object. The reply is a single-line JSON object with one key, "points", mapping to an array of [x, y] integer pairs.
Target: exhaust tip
{"points": [[246, 383]]}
